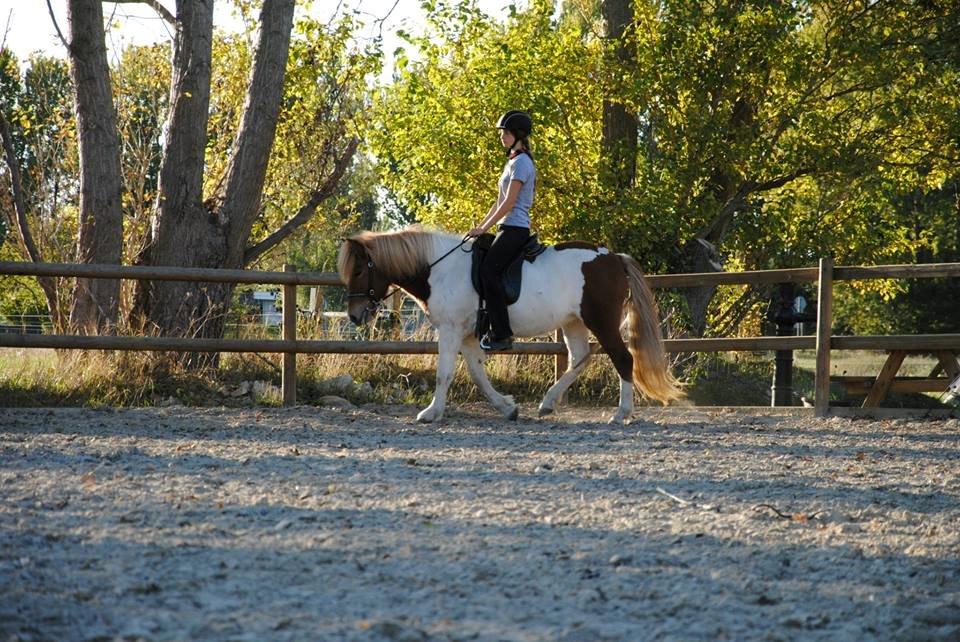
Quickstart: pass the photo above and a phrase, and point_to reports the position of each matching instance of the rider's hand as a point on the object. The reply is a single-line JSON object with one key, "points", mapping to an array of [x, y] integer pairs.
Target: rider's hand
{"points": [[475, 232]]}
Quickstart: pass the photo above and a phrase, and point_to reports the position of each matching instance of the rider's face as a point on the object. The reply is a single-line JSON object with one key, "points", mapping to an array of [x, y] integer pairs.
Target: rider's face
{"points": [[507, 139]]}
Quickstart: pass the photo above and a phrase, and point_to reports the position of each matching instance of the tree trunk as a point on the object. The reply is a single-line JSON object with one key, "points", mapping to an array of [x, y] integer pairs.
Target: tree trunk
{"points": [[701, 256], [619, 143], [182, 232], [95, 301], [185, 230]]}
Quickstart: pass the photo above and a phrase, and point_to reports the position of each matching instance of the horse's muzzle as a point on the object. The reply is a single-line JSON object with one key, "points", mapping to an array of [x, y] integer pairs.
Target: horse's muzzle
{"points": [[361, 317]]}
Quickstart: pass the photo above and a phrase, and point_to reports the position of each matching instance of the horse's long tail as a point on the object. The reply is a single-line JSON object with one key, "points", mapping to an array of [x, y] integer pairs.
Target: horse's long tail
{"points": [[651, 374]]}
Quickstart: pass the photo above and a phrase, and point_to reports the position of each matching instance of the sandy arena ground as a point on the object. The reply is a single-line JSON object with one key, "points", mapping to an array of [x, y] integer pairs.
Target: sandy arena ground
{"points": [[359, 524]]}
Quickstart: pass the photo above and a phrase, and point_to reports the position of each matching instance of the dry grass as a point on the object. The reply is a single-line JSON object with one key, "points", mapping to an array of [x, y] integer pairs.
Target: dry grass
{"points": [[46, 378], [51, 378], [94, 378]]}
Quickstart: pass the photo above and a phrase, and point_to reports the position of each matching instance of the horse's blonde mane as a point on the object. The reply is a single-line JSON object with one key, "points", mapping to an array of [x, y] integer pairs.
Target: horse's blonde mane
{"points": [[400, 255]]}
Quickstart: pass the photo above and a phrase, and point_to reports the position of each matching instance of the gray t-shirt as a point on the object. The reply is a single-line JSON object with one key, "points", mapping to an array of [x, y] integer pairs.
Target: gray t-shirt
{"points": [[519, 168]]}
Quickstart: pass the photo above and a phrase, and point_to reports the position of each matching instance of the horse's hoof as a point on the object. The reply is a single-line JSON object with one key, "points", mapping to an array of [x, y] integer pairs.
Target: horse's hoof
{"points": [[425, 417], [513, 415], [619, 419], [543, 412]]}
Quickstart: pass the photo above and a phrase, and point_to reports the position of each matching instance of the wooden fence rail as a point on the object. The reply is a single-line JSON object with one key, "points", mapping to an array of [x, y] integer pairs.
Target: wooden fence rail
{"points": [[825, 274]]}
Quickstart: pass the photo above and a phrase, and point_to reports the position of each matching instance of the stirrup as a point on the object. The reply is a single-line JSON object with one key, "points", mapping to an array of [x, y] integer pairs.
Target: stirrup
{"points": [[491, 344]]}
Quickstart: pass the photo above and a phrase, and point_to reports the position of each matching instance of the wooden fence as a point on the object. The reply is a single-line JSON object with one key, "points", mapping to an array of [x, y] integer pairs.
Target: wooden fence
{"points": [[289, 345]]}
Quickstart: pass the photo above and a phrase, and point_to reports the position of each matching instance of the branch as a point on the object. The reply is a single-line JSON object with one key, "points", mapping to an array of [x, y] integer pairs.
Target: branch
{"points": [[47, 284], [730, 317], [6, 30], [57, 26], [682, 502], [307, 210], [716, 230], [18, 202], [153, 4], [776, 182]]}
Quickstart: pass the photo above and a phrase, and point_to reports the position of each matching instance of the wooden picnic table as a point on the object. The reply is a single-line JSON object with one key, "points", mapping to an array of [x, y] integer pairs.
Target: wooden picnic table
{"points": [[876, 388]]}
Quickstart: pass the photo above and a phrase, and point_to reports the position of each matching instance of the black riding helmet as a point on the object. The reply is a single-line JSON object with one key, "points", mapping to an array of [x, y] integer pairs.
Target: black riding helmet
{"points": [[517, 123]]}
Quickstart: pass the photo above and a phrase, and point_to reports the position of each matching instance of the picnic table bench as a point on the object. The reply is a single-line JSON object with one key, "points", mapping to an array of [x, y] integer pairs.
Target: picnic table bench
{"points": [[876, 388]]}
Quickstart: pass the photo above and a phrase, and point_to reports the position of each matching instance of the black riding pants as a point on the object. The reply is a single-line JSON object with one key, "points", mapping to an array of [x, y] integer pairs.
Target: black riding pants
{"points": [[506, 246]]}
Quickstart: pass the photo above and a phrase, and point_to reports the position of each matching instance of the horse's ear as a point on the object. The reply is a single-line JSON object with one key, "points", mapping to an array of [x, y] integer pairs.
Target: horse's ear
{"points": [[356, 248]]}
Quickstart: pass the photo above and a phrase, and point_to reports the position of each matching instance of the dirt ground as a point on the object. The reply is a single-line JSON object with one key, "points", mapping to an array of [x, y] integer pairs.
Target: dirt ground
{"points": [[359, 524]]}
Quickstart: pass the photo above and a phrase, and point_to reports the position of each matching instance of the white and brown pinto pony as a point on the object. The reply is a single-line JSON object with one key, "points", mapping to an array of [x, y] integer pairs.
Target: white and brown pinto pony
{"points": [[574, 286]]}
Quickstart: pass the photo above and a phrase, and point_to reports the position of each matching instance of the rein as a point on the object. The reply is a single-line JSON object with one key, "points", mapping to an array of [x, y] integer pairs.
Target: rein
{"points": [[371, 296]]}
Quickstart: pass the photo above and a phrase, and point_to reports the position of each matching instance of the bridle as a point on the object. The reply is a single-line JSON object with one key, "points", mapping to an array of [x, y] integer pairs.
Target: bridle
{"points": [[371, 295]]}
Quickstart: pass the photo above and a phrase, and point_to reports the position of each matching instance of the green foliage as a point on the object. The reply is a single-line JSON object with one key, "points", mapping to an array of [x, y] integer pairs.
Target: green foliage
{"points": [[434, 136], [38, 104], [141, 92], [22, 298], [919, 306], [780, 132], [324, 105]]}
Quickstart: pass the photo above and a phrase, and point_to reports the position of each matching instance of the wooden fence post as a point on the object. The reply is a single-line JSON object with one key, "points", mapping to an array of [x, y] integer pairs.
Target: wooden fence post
{"points": [[289, 376], [824, 329]]}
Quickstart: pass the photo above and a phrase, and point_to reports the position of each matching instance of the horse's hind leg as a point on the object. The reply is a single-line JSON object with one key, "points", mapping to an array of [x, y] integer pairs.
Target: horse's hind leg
{"points": [[473, 357], [577, 339], [608, 334]]}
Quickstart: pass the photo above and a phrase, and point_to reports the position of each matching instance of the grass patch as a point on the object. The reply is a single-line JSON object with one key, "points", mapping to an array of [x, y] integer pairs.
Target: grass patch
{"points": [[46, 378]]}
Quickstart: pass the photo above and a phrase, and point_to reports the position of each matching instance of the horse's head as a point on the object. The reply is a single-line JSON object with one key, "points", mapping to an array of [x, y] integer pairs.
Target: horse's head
{"points": [[366, 286], [370, 262]]}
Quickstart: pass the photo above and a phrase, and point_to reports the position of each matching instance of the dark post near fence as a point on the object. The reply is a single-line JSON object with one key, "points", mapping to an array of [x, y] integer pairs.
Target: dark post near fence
{"points": [[786, 316]]}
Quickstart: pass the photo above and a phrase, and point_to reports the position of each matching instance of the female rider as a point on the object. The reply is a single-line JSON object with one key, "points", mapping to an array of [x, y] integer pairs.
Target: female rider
{"points": [[512, 207]]}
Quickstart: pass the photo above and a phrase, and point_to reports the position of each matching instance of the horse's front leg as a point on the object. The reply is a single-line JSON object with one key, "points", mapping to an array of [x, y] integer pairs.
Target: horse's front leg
{"points": [[473, 357], [448, 344]]}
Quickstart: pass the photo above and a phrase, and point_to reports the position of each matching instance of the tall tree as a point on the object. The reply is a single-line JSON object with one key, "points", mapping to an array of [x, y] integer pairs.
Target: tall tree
{"points": [[619, 145], [95, 301], [190, 230], [755, 101], [183, 231], [20, 217]]}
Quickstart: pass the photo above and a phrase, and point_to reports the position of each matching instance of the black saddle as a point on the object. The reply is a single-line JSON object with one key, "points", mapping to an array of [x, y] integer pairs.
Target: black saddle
{"points": [[511, 277]]}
